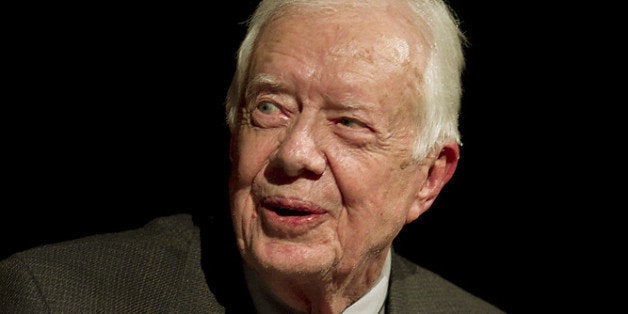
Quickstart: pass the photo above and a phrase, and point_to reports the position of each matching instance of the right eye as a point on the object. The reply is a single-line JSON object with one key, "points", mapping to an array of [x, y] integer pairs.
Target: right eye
{"points": [[267, 108], [268, 115]]}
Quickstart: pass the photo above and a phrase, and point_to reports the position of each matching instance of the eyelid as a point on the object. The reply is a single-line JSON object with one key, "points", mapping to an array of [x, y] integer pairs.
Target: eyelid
{"points": [[274, 115], [351, 121], [276, 109], [283, 101]]}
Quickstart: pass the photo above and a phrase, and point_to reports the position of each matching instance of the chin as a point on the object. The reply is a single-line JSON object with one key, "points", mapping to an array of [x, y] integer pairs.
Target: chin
{"points": [[277, 257]]}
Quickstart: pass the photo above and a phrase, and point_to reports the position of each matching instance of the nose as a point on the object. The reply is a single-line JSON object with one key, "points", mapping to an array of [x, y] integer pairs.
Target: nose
{"points": [[299, 152]]}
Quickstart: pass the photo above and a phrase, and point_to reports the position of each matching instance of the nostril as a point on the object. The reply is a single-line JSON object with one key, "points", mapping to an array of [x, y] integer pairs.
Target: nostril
{"points": [[286, 166]]}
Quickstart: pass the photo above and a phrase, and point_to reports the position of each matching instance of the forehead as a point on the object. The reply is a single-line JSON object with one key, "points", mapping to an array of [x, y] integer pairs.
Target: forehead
{"points": [[357, 31], [354, 45]]}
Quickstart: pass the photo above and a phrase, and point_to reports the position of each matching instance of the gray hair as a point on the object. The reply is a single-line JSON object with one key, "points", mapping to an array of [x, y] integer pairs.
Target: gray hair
{"points": [[441, 89]]}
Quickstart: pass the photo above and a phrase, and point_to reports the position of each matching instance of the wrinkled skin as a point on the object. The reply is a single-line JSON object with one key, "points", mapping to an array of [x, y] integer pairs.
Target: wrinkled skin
{"points": [[323, 175]]}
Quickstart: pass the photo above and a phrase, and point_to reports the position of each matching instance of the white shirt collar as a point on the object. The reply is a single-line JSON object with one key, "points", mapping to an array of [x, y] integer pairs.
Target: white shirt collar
{"points": [[373, 301], [370, 303]]}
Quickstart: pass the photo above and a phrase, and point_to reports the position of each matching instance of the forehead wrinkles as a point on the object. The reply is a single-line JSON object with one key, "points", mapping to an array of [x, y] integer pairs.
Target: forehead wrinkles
{"points": [[386, 33], [382, 43], [387, 55], [349, 30]]}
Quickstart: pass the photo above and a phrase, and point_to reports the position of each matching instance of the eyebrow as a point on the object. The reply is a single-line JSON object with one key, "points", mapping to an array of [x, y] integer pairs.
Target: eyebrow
{"points": [[355, 105], [261, 81], [267, 81]]}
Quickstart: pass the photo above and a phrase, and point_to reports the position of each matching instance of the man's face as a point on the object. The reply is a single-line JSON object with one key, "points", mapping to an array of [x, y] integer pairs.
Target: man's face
{"points": [[323, 178]]}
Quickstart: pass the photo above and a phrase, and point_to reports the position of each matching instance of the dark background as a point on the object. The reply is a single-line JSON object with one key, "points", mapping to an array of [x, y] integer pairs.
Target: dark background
{"points": [[114, 115]]}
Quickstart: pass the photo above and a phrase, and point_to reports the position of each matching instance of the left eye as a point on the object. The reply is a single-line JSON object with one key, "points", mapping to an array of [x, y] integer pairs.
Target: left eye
{"points": [[267, 108], [350, 123]]}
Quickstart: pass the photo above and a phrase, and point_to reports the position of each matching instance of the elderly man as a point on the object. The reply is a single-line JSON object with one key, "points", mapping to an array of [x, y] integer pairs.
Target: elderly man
{"points": [[343, 117]]}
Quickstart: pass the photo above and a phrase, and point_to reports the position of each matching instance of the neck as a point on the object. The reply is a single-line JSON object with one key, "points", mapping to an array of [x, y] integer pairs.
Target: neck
{"points": [[325, 292]]}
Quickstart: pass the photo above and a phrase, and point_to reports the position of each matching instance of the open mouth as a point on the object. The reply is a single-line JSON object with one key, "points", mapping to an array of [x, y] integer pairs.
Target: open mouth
{"points": [[290, 217], [289, 207], [282, 211]]}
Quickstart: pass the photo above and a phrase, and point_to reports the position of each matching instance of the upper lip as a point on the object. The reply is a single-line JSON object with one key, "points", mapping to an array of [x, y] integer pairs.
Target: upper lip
{"points": [[291, 204]]}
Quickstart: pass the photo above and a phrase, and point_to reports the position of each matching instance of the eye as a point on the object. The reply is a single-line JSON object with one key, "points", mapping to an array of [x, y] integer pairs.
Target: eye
{"points": [[350, 123], [268, 114], [267, 108]]}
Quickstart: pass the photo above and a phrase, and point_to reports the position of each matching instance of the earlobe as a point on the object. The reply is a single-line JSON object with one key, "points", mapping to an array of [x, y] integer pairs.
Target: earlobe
{"points": [[440, 170]]}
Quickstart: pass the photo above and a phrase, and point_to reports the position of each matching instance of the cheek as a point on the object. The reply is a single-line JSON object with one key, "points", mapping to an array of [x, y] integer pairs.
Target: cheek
{"points": [[376, 205], [252, 154], [375, 187]]}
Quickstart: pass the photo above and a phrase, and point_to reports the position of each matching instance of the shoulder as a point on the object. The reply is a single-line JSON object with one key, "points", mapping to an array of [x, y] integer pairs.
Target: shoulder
{"points": [[173, 232], [144, 268], [414, 287]]}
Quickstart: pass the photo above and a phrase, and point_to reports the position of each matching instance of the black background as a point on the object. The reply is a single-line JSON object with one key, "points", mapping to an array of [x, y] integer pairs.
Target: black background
{"points": [[114, 115]]}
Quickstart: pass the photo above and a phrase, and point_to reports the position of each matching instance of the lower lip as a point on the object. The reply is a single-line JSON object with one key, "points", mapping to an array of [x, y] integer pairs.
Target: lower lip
{"points": [[278, 225]]}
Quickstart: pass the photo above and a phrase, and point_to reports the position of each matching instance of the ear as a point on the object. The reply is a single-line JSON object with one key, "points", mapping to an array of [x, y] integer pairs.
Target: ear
{"points": [[440, 168]]}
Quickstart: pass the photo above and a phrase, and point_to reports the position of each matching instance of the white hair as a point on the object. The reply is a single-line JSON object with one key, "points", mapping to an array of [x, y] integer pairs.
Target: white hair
{"points": [[441, 88]]}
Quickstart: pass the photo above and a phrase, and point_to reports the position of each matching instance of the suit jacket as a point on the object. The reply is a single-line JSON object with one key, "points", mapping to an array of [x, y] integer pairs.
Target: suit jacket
{"points": [[171, 265]]}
